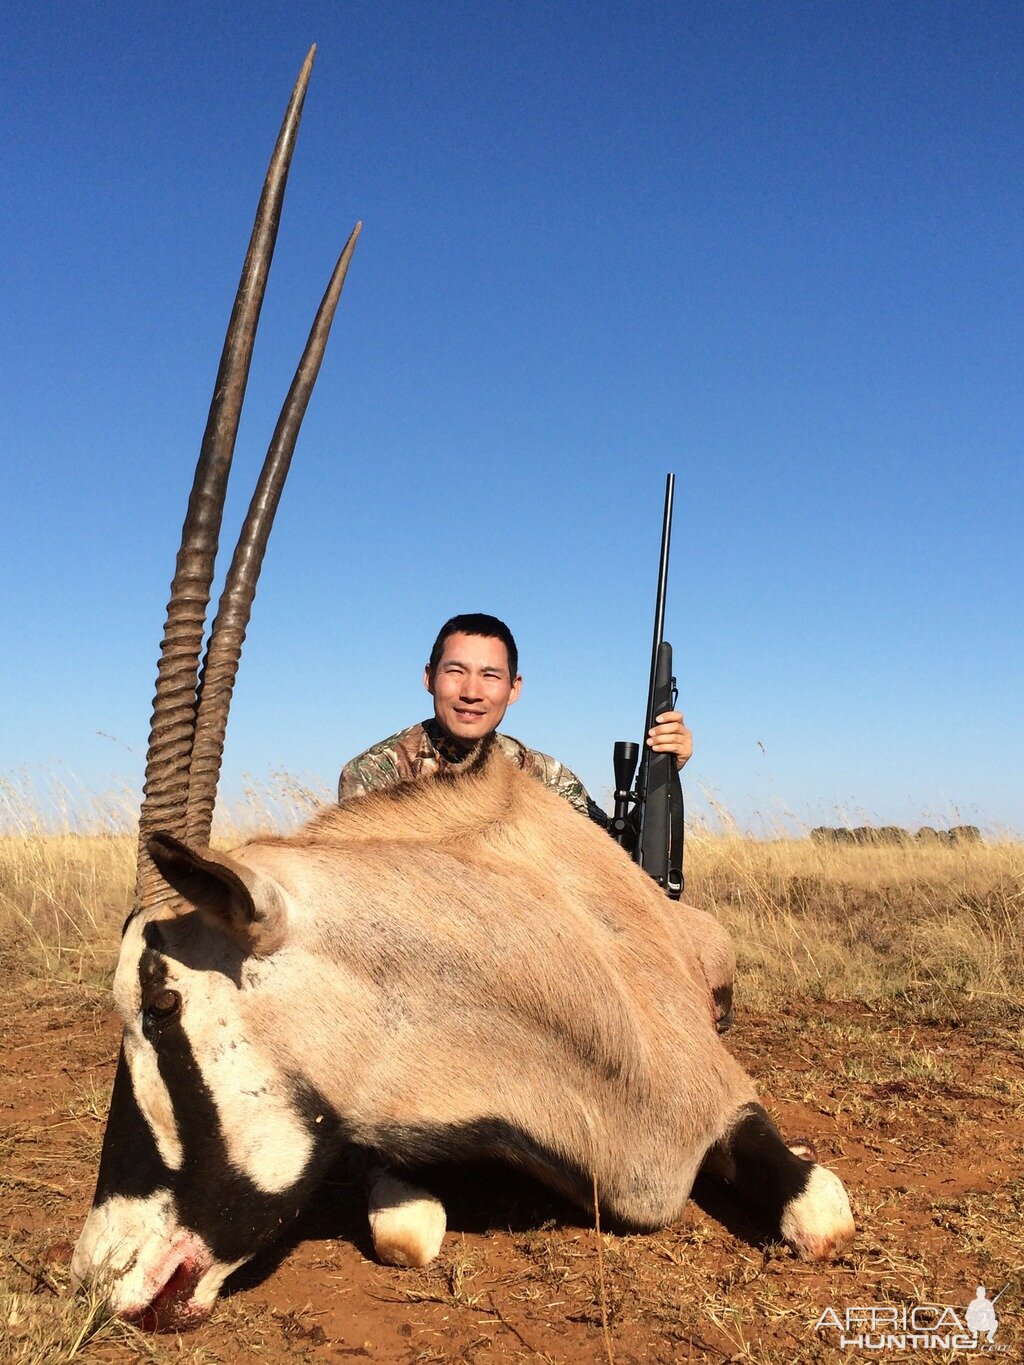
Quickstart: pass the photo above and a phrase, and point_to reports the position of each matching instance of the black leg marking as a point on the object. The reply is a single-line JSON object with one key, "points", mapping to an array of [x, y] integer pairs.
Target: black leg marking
{"points": [[761, 1166]]}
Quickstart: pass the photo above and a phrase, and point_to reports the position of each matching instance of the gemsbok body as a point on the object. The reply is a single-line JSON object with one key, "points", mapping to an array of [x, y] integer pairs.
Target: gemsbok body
{"points": [[459, 967]]}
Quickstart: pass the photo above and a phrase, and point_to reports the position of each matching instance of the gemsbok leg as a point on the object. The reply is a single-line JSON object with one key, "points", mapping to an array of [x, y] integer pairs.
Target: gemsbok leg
{"points": [[407, 1223], [807, 1201]]}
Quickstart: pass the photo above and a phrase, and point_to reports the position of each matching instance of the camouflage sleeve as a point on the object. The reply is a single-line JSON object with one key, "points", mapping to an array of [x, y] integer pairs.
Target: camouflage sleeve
{"points": [[368, 772], [577, 795], [398, 758], [571, 789], [565, 782]]}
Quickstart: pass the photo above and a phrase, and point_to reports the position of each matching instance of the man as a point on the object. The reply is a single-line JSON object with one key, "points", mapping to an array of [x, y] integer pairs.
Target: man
{"points": [[473, 677]]}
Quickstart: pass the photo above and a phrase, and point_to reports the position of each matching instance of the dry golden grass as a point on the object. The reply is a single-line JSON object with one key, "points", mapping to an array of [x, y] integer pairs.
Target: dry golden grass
{"points": [[67, 865], [42, 1324], [931, 923], [64, 879], [939, 924]]}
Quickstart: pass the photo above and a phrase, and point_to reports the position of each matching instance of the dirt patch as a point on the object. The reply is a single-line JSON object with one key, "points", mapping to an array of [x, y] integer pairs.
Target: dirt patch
{"points": [[922, 1118]]}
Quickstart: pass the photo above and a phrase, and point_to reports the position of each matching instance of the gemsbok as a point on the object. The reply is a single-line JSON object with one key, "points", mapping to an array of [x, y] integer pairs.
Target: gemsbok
{"points": [[460, 967]]}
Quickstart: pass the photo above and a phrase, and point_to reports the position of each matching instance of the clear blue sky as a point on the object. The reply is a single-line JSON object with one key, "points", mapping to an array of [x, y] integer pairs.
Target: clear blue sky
{"points": [[775, 247]]}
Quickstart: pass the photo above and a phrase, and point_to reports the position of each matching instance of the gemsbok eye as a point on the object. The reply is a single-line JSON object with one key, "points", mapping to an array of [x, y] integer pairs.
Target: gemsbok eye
{"points": [[163, 1006]]}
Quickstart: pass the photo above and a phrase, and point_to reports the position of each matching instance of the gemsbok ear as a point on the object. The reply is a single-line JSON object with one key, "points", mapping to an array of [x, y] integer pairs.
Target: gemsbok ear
{"points": [[249, 907]]}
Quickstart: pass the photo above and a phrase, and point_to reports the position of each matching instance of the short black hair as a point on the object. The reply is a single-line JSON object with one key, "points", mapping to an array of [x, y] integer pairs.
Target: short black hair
{"points": [[476, 623]]}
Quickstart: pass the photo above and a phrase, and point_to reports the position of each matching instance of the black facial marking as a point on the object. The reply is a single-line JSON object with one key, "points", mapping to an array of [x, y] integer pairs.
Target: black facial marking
{"points": [[190, 941], [130, 1164], [152, 967], [159, 1002], [211, 1197]]}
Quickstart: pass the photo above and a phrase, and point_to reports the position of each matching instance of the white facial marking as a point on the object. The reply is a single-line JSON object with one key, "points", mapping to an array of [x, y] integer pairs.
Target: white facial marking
{"points": [[265, 1138], [122, 1243], [208, 1288], [153, 1099]]}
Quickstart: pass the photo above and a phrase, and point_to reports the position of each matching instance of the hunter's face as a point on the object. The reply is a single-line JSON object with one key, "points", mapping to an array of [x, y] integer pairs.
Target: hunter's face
{"points": [[471, 685]]}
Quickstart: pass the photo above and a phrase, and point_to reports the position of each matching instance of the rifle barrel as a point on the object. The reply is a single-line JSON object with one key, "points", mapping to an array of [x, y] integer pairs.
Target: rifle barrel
{"points": [[653, 707], [659, 605]]}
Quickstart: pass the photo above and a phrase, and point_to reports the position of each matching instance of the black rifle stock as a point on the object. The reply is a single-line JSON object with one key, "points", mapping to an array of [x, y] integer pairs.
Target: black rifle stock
{"points": [[648, 820]]}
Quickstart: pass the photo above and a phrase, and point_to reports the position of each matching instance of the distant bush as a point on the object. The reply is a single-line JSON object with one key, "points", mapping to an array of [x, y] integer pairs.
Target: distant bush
{"points": [[892, 834], [965, 834]]}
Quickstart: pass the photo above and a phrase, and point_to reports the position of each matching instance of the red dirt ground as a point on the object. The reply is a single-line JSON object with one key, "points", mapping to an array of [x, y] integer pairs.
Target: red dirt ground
{"points": [[923, 1119]]}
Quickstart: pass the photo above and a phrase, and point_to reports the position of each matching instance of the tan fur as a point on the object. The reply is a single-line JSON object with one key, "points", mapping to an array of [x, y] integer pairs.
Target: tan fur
{"points": [[532, 974], [495, 818]]}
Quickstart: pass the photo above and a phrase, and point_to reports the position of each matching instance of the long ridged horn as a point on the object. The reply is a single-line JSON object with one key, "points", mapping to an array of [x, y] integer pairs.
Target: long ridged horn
{"points": [[172, 727], [224, 648]]}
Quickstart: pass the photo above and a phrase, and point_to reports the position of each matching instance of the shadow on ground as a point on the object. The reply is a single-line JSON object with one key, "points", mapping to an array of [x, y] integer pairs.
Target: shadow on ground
{"points": [[479, 1198]]}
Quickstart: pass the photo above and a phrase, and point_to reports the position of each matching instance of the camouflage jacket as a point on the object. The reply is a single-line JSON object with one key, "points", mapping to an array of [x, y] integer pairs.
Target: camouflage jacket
{"points": [[419, 752]]}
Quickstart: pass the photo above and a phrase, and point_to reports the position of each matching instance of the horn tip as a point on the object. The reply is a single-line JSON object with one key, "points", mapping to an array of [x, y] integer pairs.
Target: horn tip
{"points": [[307, 67]]}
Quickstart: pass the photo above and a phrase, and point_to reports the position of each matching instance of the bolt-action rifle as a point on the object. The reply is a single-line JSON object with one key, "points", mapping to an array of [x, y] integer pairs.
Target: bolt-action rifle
{"points": [[648, 818]]}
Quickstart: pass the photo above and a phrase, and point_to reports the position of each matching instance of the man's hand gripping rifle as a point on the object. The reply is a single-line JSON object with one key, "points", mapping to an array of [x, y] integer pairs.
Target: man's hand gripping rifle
{"points": [[648, 819]]}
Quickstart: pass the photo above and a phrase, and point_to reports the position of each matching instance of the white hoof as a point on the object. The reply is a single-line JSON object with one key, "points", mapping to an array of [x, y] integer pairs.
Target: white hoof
{"points": [[407, 1223], [818, 1224]]}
